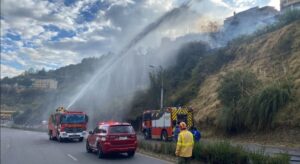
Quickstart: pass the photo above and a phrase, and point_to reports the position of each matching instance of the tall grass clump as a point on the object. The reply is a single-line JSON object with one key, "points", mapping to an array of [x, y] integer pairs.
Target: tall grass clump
{"points": [[231, 120], [247, 105], [264, 105]]}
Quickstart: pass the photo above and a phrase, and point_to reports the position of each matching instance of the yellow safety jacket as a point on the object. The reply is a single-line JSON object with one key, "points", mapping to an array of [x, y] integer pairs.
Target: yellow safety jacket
{"points": [[185, 144]]}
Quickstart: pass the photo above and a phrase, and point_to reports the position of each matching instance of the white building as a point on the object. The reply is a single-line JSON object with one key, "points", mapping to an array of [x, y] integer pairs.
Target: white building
{"points": [[289, 5], [44, 84], [248, 21]]}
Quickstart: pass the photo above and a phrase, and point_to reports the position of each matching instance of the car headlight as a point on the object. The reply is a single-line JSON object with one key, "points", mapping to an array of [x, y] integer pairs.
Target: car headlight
{"points": [[103, 138]]}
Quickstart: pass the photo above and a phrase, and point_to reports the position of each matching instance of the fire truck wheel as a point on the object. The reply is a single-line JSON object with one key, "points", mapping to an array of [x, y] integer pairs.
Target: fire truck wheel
{"points": [[164, 135], [88, 149], [99, 152]]}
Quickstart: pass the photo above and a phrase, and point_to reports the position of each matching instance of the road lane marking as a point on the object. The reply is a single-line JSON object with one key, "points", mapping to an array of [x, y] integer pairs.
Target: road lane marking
{"points": [[69, 155], [148, 156]]}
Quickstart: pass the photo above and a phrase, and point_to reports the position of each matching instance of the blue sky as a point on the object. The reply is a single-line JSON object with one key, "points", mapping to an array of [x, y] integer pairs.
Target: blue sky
{"points": [[54, 33]]}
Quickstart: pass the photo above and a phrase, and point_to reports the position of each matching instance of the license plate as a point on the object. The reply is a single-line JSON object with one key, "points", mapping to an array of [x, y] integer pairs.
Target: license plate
{"points": [[74, 136], [122, 138]]}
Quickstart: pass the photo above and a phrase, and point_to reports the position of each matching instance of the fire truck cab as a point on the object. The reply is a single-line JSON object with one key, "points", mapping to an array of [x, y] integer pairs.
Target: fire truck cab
{"points": [[64, 124], [159, 124]]}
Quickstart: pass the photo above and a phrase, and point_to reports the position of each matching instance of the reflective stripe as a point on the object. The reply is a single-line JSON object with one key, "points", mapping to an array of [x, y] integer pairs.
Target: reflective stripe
{"points": [[186, 144]]}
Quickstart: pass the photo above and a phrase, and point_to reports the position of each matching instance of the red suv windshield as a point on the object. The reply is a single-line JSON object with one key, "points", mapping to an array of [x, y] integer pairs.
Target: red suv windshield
{"points": [[121, 129]]}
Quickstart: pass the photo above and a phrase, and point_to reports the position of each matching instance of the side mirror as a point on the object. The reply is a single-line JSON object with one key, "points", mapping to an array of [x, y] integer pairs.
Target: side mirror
{"points": [[91, 132]]}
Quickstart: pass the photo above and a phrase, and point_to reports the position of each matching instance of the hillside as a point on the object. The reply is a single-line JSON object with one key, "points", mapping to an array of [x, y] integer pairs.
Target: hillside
{"points": [[31, 103], [271, 57], [266, 112]]}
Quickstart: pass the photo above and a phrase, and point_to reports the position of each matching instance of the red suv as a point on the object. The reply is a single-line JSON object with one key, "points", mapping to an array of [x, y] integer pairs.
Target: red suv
{"points": [[110, 137]]}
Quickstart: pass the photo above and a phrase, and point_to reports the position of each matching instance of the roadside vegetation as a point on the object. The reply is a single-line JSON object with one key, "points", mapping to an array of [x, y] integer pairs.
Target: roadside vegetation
{"points": [[217, 153], [247, 104]]}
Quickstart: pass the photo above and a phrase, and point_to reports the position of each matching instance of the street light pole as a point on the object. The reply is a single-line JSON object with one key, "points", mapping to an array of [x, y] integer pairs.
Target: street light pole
{"points": [[162, 91]]}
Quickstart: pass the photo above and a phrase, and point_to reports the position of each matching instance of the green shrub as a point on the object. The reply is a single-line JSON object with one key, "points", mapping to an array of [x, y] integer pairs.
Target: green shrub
{"points": [[197, 151], [223, 152], [279, 159], [217, 153], [168, 148], [236, 85], [259, 157], [235, 88], [264, 105]]}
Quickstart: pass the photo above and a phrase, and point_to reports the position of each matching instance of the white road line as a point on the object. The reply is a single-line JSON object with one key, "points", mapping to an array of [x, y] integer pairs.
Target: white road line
{"points": [[167, 162], [69, 155]]}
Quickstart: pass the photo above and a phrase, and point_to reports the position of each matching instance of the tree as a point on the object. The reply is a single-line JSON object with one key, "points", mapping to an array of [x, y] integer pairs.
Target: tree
{"points": [[42, 72]]}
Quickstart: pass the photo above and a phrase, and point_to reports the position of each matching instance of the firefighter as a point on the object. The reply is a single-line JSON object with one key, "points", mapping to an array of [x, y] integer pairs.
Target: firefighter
{"points": [[176, 131], [196, 133], [185, 144]]}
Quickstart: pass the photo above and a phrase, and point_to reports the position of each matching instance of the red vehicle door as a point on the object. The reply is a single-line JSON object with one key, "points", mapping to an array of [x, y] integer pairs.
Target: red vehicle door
{"points": [[92, 138]]}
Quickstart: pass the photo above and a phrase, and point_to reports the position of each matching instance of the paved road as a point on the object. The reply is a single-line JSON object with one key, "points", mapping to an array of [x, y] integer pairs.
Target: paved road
{"points": [[27, 147]]}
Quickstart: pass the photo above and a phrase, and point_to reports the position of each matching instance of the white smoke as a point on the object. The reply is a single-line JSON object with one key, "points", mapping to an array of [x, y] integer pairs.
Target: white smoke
{"points": [[108, 93]]}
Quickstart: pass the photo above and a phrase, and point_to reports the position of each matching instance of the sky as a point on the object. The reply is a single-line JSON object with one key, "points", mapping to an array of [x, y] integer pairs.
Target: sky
{"points": [[53, 33]]}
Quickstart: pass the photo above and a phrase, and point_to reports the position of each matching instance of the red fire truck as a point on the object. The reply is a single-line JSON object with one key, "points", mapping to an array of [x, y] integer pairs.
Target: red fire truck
{"points": [[64, 124], [158, 124]]}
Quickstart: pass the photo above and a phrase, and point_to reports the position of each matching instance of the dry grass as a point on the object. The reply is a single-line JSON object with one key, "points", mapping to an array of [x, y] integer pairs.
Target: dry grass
{"points": [[262, 58], [207, 110]]}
